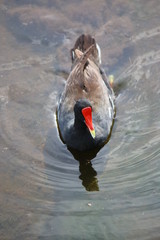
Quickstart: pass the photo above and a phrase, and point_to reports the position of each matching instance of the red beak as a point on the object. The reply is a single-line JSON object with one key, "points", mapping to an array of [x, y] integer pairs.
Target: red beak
{"points": [[87, 113]]}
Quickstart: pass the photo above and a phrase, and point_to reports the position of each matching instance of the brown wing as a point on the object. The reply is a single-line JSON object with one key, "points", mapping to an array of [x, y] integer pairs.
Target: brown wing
{"points": [[82, 44], [85, 81]]}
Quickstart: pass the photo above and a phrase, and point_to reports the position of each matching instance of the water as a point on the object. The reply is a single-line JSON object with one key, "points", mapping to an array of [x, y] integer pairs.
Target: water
{"points": [[45, 192]]}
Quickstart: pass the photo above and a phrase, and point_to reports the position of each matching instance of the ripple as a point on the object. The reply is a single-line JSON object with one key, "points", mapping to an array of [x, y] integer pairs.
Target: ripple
{"points": [[144, 60], [26, 63], [146, 34]]}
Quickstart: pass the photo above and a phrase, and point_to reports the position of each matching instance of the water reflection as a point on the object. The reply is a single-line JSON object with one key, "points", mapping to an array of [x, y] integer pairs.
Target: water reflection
{"points": [[88, 173], [88, 176]]}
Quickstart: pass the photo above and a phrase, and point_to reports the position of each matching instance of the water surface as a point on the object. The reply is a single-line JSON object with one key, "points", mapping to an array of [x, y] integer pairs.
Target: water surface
{"points": [[45, 192]]}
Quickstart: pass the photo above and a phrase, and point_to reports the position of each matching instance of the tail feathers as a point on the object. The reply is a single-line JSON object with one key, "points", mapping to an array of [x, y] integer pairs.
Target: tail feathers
{"points": [[83, 43]]}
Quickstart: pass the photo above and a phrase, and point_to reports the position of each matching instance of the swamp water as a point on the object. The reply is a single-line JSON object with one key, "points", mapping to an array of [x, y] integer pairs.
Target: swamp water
{"points": [[44, 192]]}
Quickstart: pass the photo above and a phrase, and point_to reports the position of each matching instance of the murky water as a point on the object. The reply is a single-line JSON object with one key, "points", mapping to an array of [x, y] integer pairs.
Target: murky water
{"points": [[45, 192]]}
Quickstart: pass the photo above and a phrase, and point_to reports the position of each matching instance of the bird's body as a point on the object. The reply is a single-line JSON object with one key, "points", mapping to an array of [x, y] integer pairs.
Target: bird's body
{"points": [[86, 86]]}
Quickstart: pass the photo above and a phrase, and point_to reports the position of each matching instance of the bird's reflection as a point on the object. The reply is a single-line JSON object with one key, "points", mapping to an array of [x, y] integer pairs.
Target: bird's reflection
{"points": [[88, 175]]}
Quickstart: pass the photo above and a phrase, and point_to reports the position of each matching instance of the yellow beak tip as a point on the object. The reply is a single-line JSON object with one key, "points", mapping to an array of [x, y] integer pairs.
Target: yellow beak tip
{"points": [[93, 134]]}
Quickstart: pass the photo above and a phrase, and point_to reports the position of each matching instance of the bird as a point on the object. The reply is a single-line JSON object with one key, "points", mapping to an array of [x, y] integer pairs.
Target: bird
{"points": [[86, 108]]}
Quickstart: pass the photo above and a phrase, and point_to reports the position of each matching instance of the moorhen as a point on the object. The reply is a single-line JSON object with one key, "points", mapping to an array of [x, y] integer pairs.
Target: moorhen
{"points": [[86, 108]]}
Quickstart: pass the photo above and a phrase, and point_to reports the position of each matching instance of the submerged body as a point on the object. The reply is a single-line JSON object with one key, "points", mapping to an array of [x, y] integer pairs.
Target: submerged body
{"points": [[86, 88]]}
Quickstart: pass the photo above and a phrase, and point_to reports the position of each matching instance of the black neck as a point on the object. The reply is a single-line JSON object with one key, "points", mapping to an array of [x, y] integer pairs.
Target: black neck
{"points": [[79, 125]]}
